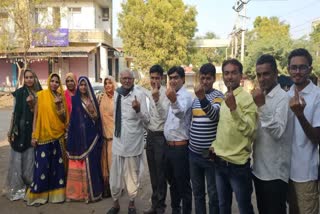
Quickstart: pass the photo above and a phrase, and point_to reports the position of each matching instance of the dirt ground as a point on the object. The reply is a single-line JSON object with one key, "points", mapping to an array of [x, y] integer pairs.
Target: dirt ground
{"points": [[17, 207], [6, 100]]}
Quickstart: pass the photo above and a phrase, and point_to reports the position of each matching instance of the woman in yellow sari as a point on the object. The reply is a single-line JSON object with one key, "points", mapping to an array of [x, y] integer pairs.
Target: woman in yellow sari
{"points": [[48, 138]]}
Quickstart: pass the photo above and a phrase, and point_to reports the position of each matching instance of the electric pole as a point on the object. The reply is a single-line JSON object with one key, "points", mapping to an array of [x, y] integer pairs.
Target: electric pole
{"points": [[240, 26]]}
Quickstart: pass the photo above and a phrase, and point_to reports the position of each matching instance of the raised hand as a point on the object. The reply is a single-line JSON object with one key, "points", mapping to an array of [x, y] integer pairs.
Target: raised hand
{"points": [[171, 92], [258, 97], [136, 104], [230, 100], [297, 103], [155, 92], [200, 91]]}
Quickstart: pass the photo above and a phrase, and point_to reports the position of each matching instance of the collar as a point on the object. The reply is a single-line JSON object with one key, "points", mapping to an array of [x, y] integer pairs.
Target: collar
{"points": [[237, 91], [307, 90], [181, 90], [274, 91]]}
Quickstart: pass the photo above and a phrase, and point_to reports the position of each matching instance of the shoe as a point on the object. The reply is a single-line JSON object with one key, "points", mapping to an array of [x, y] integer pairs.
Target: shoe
{"points": [[132, 210], [113, 210], [151, 210]]}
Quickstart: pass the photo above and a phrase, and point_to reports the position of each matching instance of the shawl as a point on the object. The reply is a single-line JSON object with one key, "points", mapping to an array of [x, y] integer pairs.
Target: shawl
{"points": [[49, 126], [23, 117], [117, 122], [84, 132]]}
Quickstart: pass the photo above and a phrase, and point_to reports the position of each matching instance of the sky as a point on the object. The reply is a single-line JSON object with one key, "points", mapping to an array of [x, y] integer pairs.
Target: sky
{"points": [[218, 16]]}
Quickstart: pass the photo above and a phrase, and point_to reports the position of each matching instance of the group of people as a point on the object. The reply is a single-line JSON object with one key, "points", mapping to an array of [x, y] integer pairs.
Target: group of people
{"points": [[71, 145]]}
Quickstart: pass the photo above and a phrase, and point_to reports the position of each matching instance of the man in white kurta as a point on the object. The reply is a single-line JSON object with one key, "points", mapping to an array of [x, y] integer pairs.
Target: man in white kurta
{"points": [[130, 117]]}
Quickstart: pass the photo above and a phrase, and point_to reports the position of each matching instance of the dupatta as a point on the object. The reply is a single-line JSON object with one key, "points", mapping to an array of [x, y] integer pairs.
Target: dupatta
{"points": [[84, 132], [49, 126]]}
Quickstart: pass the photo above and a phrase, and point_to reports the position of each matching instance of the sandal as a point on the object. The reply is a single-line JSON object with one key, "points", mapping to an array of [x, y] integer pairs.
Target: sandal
{"points": [[132, 210], [113, 210]]}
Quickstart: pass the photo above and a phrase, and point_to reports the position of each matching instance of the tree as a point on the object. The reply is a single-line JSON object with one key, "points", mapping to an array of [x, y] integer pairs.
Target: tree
{"points": [[315, 49], [157, 31], [269, 36], [19, 15]]}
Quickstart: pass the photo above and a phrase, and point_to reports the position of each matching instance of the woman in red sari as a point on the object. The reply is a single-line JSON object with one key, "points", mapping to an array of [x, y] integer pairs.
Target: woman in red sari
{"points": [[71, 83]]}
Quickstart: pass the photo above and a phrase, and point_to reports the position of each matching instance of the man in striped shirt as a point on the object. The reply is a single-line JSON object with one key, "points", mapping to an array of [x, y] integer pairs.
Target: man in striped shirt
{"points": [[205, 117]]}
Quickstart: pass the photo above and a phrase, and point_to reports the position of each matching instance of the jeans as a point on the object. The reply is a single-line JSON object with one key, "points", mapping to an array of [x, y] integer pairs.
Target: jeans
{"points": [[234, 178], [271, 196], [178, 176], [201, 169], [156, 162]]}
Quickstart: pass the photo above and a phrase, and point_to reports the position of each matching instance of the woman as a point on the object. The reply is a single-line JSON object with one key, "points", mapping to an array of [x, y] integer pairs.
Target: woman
{"points": [[71, 83], [19, 136], [106, 102], [48, 138], [84, 146]]}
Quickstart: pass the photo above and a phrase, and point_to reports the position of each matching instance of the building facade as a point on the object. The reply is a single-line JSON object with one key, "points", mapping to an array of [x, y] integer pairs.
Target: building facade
{"points": [[69, 36]]}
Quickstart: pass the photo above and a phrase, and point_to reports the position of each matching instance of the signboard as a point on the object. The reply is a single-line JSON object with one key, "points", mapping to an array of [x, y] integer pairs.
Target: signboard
{"points": [[50, 38]]}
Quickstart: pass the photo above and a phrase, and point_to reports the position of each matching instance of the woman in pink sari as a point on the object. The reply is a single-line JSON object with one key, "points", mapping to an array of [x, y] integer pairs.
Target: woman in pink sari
{"points": [[71, 83]]}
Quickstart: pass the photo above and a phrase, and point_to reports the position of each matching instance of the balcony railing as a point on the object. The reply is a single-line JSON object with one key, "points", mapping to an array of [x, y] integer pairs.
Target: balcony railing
{"points": [[90, 36]]}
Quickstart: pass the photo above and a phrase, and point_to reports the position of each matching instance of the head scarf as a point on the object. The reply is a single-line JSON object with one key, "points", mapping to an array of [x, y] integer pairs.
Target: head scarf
{"points": [[84, 132], [36, 85], [67, 93], [49, 127]]}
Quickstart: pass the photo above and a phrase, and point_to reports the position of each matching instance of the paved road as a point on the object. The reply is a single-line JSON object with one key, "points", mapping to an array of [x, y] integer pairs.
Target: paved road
{"points": [[5, 116]]}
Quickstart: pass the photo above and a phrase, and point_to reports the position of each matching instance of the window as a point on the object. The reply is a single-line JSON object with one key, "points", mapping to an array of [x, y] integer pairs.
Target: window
{"points": [[40, 15], [105, 14], [3, 19], [74, 15], [56, 17]]}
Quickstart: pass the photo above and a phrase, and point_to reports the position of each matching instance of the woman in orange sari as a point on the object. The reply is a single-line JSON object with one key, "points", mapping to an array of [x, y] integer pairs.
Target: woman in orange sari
{"points": [[106, 102], [48, 138]]}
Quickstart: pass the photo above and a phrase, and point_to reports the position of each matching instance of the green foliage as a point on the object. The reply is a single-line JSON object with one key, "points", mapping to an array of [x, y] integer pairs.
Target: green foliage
{"points": [[315, 49], [157, 31], [269, 36]]}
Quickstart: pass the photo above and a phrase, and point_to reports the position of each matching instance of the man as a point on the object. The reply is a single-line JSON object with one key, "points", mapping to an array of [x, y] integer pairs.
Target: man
{"points": [[272, 147], [205, 117], [127, 147], [158, 108], [176, 131], [232, 146], [305, 104]]}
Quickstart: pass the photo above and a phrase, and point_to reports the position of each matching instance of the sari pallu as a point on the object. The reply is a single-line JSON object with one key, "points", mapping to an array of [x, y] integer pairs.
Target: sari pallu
{"points": [[84, 150], [49, 178]]}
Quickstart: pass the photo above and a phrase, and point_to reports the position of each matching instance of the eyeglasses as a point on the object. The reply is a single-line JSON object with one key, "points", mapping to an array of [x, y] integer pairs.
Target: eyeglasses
{"points": [[302, 68]]}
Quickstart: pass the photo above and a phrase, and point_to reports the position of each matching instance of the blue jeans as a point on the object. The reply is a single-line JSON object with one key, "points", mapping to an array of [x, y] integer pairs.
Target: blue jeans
{"points": [[201, 169], [234, 178]]}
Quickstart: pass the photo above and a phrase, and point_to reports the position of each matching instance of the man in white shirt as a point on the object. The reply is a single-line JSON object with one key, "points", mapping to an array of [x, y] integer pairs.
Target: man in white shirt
{"points": [[305, 104], [131, 115], [156, 142], [176, 131], [272, 146]]}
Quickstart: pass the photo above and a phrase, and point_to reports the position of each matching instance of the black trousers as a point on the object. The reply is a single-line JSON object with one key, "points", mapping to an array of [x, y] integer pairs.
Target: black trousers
{"points": [[178, 176], [155, 149], [271, 196]]}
